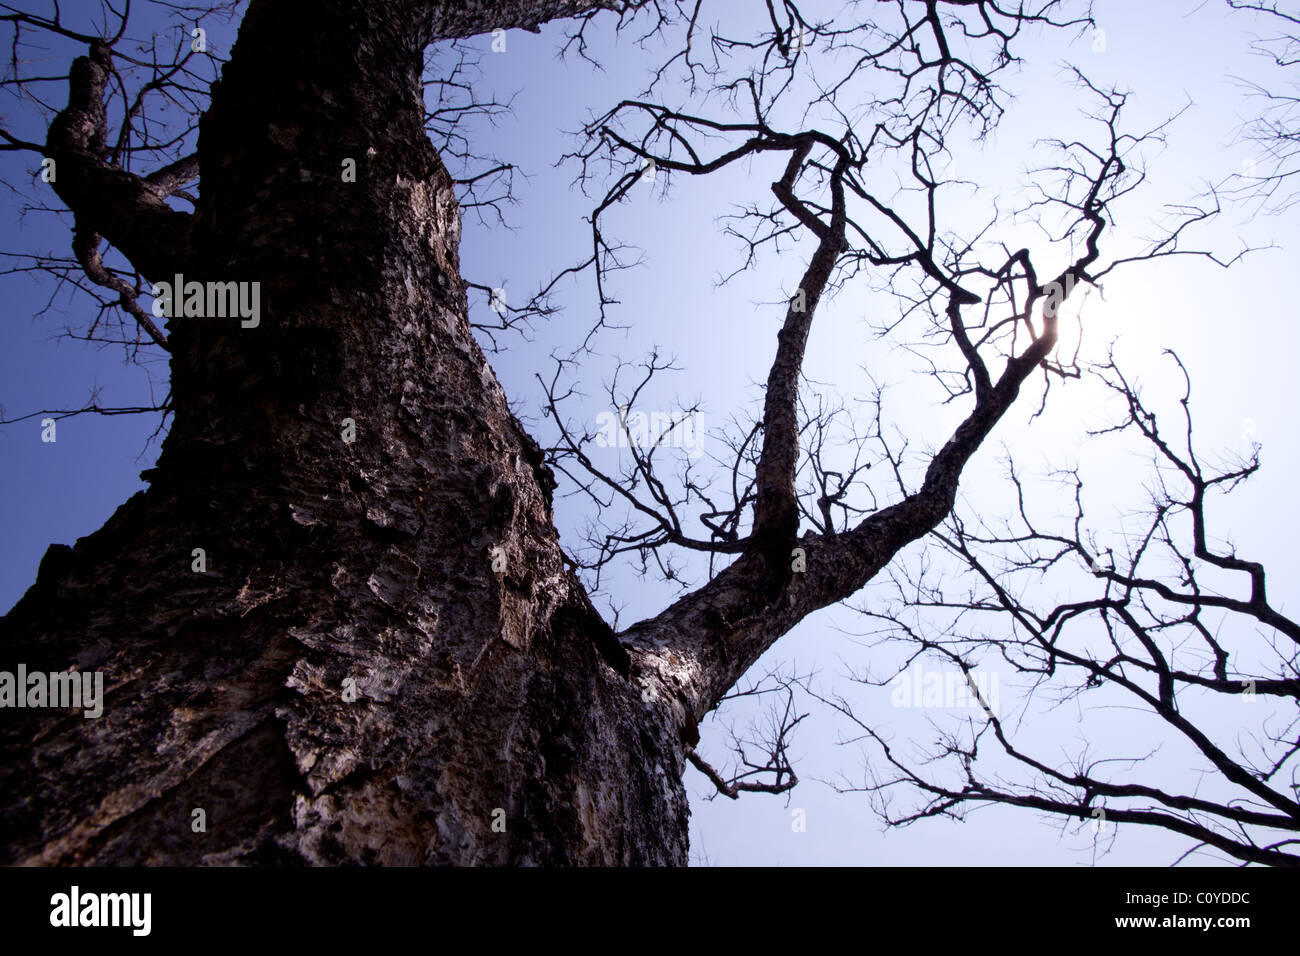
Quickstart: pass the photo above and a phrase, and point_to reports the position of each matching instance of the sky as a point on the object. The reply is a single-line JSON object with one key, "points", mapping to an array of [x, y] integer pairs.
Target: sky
{"points": [[1234, 330]]}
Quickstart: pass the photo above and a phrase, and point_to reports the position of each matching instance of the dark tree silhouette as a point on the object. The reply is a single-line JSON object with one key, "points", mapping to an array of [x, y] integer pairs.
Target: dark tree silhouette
{"points": [[1271, 179], [381, 654], [1177, 628]]}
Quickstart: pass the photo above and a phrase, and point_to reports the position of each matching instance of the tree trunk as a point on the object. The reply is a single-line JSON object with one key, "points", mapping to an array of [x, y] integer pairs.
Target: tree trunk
{"points": [[385, 659]]}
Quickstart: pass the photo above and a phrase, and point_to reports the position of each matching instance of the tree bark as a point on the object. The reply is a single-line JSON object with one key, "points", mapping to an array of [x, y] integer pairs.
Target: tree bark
{"points": [[385, 658], [495, 720]]}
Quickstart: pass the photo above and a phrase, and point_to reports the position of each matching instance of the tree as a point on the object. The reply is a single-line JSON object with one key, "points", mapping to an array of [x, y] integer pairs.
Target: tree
{"points": [[1168, 633], [1174, 627], [1269, 180], [339, 621]]}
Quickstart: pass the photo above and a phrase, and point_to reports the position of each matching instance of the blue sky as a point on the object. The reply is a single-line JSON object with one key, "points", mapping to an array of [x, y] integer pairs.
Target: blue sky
{"points": [[1234, 330]]}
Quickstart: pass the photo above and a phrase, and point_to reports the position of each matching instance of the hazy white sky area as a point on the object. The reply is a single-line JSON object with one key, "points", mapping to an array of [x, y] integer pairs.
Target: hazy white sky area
{"points": [[1235, 330]]}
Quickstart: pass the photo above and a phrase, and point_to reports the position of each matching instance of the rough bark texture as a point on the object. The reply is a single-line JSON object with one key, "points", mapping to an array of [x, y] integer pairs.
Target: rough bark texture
{"points": [[477, 690], [497, 718]]}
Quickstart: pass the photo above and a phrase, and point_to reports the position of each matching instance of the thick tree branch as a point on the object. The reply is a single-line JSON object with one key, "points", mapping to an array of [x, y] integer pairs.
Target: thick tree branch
{"points": [[703, 643], [776, 509], [456, 19], [126, 209]]}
